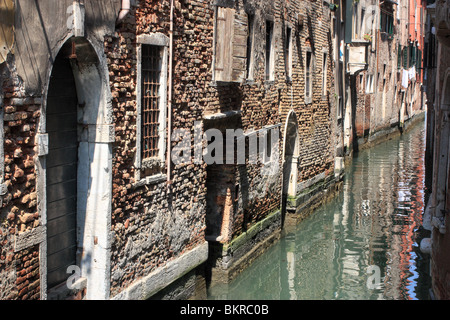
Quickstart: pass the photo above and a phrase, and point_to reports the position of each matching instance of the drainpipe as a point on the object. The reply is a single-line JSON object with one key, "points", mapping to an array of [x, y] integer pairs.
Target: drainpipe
{"points": [[169, 104], [125, 8]]}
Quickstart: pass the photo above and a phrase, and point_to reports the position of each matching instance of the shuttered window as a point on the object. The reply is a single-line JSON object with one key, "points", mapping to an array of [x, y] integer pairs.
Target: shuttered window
{"points": [[405, 57], [419, 61], [412, 55], [231, 38], [387, 23]]}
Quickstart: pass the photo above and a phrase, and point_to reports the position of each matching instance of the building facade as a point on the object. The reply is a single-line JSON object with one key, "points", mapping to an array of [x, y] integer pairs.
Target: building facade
{"points": [[111, 185], [438, 168], [152, 147]]}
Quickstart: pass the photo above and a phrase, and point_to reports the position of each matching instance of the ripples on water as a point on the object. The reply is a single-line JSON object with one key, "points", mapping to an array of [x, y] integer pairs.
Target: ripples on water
{"points": [[373, 225]]}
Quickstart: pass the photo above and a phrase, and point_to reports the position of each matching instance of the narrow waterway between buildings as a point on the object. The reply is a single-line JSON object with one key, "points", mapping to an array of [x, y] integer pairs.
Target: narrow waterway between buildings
{"points": [[362, 245]]}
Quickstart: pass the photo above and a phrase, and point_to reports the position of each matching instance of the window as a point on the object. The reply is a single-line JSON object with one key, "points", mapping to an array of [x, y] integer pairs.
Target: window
{"points": [[387, 23], [369, 83], [419, 61], [150, 99], [250, 37], [230, 47], [269, 51], [324, 74], [361, 23], [355, 21], [361, 82], [152, 55], [308, 76], [405, 57], [288, 53]]}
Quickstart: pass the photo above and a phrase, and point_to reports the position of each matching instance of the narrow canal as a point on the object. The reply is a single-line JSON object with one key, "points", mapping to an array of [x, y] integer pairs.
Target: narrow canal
{"points": [[362, 245]]}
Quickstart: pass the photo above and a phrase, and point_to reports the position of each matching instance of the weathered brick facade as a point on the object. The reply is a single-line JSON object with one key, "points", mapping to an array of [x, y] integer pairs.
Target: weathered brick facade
{"points": [[145, 224]]}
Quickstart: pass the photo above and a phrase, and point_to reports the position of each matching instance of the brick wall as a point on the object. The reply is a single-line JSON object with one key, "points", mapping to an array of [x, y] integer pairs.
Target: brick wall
{"points": [[20, 280], [264, 103], [155, 223]]}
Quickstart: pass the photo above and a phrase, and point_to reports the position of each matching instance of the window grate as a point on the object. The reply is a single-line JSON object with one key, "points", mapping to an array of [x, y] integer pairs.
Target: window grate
{"points": [[151, 76]]}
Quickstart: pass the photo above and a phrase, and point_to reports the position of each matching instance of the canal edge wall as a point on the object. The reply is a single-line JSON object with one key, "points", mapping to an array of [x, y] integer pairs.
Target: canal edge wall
{"points": [[394, 130], [227, 261]]}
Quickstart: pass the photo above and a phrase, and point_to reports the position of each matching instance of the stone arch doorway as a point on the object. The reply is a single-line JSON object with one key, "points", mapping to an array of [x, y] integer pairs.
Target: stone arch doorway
{"points": [[291, 152], [61, 170], [77, 168]]}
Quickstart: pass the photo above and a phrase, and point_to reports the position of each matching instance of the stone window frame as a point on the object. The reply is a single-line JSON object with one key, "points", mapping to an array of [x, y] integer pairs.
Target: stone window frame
{"points": [[160, 40], [289, 51]]}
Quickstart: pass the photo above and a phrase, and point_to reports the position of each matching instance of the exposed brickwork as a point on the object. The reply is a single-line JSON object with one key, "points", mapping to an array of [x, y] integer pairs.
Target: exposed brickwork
{"points": [[19, 205], [155, 223], [28, 277]]}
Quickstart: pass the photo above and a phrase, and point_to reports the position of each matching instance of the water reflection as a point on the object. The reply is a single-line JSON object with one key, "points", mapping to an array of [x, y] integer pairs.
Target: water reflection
{"points": [[362, 245]]}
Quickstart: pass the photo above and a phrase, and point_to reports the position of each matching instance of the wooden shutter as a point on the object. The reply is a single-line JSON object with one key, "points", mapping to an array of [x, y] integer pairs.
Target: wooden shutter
{"points": [[224, 39], [240, 49], [418, 61], [231, 46], [405, 57]]}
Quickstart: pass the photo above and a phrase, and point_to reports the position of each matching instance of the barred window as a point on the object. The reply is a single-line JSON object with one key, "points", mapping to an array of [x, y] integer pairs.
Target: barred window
{"points": [[151, 83]]}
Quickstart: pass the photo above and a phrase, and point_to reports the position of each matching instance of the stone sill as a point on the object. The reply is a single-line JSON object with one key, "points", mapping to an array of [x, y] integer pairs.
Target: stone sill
{"points": [[62, 292], [157, 178], [222, 115]]}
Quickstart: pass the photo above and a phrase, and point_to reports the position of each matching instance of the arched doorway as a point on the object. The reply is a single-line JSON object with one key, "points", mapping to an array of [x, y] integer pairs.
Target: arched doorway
{"points": [[61, 170], [77, 117], [290, 161]]}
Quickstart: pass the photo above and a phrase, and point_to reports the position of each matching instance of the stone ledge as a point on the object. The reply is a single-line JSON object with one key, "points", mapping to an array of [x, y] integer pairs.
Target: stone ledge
{"points": [[310, 188], [164, 276], [29, 238]]}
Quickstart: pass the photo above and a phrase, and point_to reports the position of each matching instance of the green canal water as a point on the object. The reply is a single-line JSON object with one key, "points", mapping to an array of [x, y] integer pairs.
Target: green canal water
{"points": [[362, 245]]}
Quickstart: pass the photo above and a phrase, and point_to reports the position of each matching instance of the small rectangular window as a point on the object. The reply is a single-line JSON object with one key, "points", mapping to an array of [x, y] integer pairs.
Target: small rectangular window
{"points": [[362, 23], [150, 99], [361, 82], [288, 53], [269, 51], [308, 77], [369, 83], [324, 74], [250, 36], [355, 21]]}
